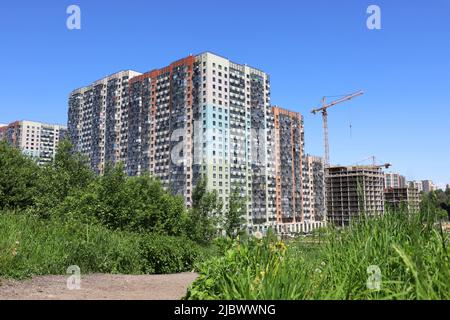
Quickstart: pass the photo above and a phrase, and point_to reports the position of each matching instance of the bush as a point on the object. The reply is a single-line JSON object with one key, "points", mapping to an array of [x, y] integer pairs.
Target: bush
{"points": [[18, 176], [31, 246], [165, 254]]}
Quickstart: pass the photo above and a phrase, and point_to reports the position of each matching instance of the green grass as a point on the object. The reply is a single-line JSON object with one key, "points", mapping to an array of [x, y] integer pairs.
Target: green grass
{"points": [[410, 251], [33, 246]]}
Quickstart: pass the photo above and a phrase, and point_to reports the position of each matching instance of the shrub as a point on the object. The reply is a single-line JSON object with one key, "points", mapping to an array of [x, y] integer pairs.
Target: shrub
{"points": [[31, 246]]}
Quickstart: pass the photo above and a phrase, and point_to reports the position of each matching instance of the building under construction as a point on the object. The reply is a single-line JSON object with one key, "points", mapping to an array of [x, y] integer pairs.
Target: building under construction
{"points": [[353, 191], [406, 197]]}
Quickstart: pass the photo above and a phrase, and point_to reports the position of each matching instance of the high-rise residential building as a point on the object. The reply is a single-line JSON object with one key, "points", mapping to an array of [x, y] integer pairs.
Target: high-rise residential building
{"points": [[352, 191], [35, 139], [289, 153], [203, 115], [407, 196], [297, 177], [447, 187], [314, 181], [394, 180], [98, 119]]}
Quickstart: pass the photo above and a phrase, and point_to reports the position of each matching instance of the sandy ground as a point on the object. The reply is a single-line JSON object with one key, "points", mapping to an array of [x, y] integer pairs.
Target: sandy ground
{"points": [[100, 287]]}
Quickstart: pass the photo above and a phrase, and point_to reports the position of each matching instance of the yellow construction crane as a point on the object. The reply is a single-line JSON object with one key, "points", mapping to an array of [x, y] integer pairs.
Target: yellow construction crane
{"points": [[324, 111]]}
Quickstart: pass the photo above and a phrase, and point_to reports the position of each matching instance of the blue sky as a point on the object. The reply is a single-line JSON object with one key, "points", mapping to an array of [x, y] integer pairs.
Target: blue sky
{"points": [[310, 48]]}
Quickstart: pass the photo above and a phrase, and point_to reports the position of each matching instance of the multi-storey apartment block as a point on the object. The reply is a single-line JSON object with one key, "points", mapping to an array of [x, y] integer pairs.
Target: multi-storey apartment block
{"points": [[352, 191], [98, 119], [289, 153], [35, 139], [203, 115], [314, 180], [394, 180]]}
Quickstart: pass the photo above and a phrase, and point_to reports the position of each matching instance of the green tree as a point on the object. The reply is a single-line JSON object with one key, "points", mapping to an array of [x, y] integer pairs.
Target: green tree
{"points": [[68, 173], [434, 203], [18, 175], [120, 202], [204, 215], [235, 214]]}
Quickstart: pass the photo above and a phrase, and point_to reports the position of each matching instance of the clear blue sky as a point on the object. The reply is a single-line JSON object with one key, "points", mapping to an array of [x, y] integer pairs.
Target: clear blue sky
{"points": [[311, 48]]}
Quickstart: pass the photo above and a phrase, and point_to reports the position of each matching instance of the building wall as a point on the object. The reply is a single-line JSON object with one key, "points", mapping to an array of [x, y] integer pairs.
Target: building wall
{"points": [[289, 153], [315, 188], [98, 119]]}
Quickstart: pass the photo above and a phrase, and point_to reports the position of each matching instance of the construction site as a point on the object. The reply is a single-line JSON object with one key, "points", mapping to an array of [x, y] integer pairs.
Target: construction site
{"points": [[361, 190]]}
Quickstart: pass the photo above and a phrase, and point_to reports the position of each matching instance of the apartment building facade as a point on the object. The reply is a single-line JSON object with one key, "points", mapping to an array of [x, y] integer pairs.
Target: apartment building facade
{"points": [[289, 166], [203, 115], [35, 139], [98, 119], [314, 178]]}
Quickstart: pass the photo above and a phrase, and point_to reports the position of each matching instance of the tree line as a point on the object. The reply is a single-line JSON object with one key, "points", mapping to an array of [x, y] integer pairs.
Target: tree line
{"points": [[68, 189]]}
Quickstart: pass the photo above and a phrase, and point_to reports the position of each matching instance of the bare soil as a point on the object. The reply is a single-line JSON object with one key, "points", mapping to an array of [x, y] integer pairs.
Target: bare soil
{"points": [[99, 287]]}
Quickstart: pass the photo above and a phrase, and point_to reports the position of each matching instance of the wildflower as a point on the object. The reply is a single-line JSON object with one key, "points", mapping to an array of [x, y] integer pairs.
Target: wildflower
{"points": [[14, 252], [258, 235], [318, 270], [323, 263]]}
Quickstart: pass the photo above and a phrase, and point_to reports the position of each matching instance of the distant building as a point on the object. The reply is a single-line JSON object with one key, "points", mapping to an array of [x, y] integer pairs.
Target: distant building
{"points": [[408, 196], [353, 191], [416, 184], [447, 187], [394, 180], [428, 186], [35, 139]]}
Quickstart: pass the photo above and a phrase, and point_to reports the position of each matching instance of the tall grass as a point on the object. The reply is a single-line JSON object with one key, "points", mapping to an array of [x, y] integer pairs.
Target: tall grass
{"points": [[411, 252], [33, 246]]}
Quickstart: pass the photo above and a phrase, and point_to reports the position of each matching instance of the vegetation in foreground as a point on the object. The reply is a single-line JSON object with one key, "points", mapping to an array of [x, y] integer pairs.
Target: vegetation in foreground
{"points": [[63, 214], [410, 252], [30, 246]]}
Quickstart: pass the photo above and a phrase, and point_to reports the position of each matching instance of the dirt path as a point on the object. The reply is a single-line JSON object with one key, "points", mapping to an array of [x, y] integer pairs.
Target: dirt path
{"points": [[99, 287]]}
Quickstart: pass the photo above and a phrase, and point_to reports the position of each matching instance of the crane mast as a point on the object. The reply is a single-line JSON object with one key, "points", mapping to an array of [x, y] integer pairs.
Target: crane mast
{"points": [[323, 109]]}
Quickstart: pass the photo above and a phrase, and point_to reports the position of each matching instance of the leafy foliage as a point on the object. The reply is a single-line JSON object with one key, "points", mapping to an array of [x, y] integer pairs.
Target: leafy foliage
{"points": [[111, 223], [234, 216], [204, 215], [17, 178]]}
